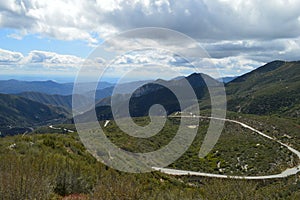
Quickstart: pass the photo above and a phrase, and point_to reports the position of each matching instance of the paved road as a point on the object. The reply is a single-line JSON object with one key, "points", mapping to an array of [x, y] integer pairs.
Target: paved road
{"points": [[284, 174], [55, 128]]}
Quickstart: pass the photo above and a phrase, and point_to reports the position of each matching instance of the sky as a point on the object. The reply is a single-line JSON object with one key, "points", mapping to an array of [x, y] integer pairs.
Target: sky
{"points": [[57, 39]]}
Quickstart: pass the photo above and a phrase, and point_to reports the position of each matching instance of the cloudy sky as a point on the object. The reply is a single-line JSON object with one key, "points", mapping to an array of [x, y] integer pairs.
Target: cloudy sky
{"points": [[53, 38]]}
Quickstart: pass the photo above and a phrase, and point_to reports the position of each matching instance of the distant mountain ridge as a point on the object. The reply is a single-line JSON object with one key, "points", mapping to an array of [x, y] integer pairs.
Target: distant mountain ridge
{"points": [[120, 88], [48, 87], [66, 100], [154, 93], [270, 89]]}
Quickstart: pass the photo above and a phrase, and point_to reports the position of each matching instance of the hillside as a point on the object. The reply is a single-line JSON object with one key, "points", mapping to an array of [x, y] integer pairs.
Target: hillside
{"points": [[154, 93], [53, 100], [73, 173], [270, 89], [21, 112]]}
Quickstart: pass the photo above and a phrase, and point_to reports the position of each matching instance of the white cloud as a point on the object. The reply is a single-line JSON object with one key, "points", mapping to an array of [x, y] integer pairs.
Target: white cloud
{"points": [[43, 61], [202, 19], [9, 57], [51, 58], [238, 34], [146, 64], [164, 64], [232, 66]]}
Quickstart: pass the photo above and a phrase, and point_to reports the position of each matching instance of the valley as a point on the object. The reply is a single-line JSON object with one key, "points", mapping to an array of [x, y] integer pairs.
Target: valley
{"points": [[257, 152]]}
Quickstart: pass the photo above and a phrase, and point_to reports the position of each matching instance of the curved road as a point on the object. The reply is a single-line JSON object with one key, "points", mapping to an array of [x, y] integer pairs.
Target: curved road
{"points": [[284, 174], [54, 128]]}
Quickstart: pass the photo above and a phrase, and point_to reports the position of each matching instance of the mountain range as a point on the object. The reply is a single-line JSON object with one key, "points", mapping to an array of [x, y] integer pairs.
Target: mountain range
{"points": [[157, 92], [48, 87], [63, 98], [272, 89]]}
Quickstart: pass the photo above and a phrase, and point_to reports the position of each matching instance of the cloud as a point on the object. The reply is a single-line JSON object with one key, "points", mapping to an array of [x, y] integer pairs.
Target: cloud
{"points": [[158, 63], [204, 19], [43, 61], [62, 20], [201, 19], [51, 58], [141, 64], [237, 34], [259, 50], [9, 57], [232, 66]]}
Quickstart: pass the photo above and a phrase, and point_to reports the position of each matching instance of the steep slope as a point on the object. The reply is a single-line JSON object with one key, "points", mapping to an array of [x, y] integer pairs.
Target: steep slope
{"points": [[270, 89], [154, 93], [55, 100], [21, 112]]}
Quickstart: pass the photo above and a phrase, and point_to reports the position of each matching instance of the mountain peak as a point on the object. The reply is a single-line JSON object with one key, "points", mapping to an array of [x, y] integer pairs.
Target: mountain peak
{"points": [[195, 74]]}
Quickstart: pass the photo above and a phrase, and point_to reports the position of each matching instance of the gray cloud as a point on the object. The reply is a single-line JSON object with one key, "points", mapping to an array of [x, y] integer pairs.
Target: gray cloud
{"points": [[201, 19], [205, 19], [251, 30]]}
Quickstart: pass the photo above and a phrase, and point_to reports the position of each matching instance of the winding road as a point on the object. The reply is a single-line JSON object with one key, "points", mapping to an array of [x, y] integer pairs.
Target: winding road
{"points": [[55, 128], [284, 174]]}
